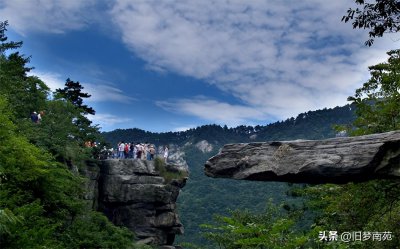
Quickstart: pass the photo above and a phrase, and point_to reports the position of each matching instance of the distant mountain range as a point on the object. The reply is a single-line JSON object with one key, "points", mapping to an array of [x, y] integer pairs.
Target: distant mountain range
{"points": [[310, 125]]}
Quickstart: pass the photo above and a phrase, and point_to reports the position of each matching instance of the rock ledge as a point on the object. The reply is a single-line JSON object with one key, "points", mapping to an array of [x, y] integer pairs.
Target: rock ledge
{"points": [[336, 160]]}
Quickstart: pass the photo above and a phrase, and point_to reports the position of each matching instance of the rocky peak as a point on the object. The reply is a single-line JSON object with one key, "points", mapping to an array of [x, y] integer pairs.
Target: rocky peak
{"points": [[336, 160], [132, 193]]}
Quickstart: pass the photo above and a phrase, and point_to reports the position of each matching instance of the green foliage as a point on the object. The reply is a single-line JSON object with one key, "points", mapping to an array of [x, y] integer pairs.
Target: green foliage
{"points": [[94, 230], [243, 229], [7, 219], [25, 94], [28, 189], [58, 133], [369, 207], [378, 100], [380, 17]]}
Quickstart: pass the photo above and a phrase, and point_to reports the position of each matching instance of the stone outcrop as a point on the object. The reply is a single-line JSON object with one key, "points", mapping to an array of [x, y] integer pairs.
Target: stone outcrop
{"points": [[134, 195], [176, 156], [336, 160]]}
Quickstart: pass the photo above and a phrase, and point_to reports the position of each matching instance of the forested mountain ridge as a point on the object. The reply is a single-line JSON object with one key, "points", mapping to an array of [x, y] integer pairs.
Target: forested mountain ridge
{"points": [[309, 125]]}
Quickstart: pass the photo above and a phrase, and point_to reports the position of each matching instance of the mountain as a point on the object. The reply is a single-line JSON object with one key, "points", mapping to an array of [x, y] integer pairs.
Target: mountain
{"points": [[310, 125], [203, 197]]}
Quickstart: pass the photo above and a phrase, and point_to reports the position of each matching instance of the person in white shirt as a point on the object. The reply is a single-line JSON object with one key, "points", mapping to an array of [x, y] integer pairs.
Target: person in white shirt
{"points": [[121, 148], [165, 153]]}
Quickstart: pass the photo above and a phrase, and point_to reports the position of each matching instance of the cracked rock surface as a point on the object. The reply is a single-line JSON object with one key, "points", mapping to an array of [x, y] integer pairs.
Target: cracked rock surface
{"points": [[336, 160], [132, 194]]}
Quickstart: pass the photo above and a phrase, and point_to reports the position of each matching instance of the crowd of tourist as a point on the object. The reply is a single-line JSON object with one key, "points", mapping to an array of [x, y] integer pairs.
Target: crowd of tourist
{"points": [[143, 151]]}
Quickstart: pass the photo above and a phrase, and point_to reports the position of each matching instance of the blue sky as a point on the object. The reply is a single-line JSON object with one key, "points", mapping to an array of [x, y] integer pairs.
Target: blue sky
{"points": [[173, 65]]}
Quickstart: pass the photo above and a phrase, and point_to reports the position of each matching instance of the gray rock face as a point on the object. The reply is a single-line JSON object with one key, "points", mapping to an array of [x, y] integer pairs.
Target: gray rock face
{"points": [[92, 172], [134, 195], [336, 160]]}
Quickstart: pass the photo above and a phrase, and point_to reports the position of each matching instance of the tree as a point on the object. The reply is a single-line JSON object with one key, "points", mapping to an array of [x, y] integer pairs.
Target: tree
{"points": [[6, 45], [25, 93], [243, 229], [378, 100], [73, 92], [380, 17]]}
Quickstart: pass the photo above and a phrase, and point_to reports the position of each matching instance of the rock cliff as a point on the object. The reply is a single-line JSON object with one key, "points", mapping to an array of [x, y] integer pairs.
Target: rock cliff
{"points": [[132, 193], [336, 160]]}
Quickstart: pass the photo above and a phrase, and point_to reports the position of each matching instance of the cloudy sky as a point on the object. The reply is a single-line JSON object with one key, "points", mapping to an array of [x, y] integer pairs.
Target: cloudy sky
{"points": [[172, 65]]}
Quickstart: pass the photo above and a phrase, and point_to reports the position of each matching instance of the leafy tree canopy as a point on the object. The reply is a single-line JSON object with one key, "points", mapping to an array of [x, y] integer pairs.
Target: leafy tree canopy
{"points": [[378, 100], [380, 17]]}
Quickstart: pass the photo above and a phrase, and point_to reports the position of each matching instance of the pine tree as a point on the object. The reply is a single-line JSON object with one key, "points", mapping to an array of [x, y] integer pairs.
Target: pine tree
{"points": [[73, 93]]}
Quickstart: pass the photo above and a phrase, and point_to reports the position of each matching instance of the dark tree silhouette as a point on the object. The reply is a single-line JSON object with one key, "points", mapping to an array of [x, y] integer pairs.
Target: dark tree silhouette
{"points": [[380, 17], [73, 92], [3, 38]]}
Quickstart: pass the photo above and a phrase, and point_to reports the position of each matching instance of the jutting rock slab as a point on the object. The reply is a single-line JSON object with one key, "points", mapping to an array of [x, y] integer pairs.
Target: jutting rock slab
{"points": [[336, 160]]}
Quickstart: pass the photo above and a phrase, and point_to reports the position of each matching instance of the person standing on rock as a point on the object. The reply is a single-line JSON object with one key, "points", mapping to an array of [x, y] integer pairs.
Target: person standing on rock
{"points": [[165, 153], [121, 149], [139, 151], [152, 152]]}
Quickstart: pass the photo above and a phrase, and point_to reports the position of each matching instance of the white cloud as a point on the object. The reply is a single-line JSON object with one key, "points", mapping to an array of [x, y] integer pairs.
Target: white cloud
{"points": [[53, 16], [277, 57], [213, 111], [108, 121], [52, 80], [100, 92]]}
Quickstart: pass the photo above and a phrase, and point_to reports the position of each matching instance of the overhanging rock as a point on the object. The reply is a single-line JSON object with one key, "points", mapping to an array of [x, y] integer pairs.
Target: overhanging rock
{"points": [[336, 160]]}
